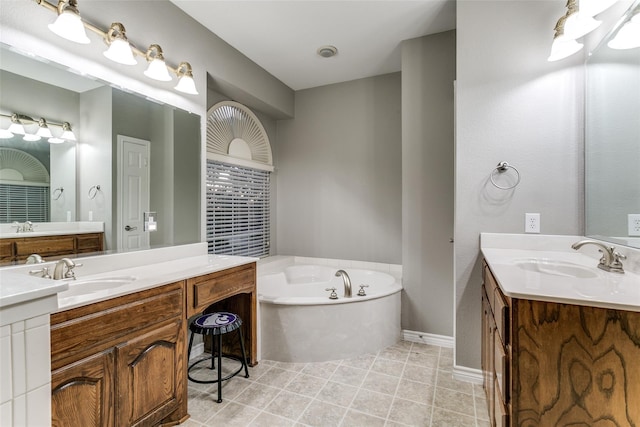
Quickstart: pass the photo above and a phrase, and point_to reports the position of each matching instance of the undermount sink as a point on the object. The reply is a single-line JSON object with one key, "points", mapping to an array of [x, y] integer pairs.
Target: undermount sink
{"points": [[556, 268], [81, 287]]}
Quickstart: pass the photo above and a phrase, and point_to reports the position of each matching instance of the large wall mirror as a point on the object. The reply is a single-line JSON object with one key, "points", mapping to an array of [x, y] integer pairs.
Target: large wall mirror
{"points": [[612, 141], [102, 117]]}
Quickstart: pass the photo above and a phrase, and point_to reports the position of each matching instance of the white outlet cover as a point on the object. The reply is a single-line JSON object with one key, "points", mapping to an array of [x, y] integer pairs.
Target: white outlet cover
{"points": [[532, 223], [634, 224]]}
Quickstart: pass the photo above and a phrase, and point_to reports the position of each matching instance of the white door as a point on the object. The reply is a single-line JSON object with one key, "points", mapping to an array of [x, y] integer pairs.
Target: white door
{"points": [[133, 190]]}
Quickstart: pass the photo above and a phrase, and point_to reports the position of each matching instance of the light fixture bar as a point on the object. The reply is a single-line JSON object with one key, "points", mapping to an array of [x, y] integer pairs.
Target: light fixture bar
{"points": [[186, 82], [17, 128]]}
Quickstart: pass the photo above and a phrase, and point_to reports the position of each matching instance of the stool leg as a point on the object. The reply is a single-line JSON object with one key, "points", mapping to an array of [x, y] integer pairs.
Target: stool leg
{"points": [[219, 368], [213, 352], [189, 350], [244, 354]]}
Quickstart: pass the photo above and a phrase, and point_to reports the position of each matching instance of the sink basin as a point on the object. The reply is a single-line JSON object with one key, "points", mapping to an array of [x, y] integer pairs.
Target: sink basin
{"points": [[556, 268], [82, 287]]}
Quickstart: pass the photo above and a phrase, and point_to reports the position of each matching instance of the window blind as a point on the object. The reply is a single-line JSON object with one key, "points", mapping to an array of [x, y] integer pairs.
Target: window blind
{"points": [[238, 213], [23, 203]]}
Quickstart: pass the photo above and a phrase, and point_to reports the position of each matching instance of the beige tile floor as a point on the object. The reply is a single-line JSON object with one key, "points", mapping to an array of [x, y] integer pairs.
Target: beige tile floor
{"points": [[408, 384]]}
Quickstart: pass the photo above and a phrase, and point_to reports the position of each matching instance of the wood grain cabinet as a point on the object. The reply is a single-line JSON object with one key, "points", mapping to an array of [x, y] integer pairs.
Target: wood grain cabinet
{"points": [[17, 249], [121, 362], [552, 364]]}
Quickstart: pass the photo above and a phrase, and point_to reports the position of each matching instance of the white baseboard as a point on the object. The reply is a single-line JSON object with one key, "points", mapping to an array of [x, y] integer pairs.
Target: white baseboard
{"points": [[431, 339], [469, 375]]}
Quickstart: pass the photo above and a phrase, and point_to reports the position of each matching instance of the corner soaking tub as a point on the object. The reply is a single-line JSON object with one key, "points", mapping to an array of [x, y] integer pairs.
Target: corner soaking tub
{"points": [[299, 323]]}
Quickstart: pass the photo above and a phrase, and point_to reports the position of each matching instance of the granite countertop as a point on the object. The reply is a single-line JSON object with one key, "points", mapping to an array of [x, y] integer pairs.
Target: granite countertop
{"points": [[545, 268]]}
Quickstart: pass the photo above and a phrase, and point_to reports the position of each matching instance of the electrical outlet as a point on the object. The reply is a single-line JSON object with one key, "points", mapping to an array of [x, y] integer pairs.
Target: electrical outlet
{"points": [[532, 223], [634, 224]]}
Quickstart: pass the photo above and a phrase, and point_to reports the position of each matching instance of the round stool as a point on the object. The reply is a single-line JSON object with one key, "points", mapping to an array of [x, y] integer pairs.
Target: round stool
{"points": [[217, 324]]}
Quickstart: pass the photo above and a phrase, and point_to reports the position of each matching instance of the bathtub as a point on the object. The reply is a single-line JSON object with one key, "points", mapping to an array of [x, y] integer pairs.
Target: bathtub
{"points": [[299, 323]]}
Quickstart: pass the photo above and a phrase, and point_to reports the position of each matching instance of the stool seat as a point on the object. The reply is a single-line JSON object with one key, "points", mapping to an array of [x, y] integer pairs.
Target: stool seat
{"points": [[217, 324]]}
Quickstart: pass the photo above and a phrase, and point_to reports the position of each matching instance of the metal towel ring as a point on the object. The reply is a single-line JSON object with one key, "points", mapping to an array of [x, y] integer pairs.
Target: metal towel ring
{"points": [[93, 191], [57, 191], [502, 168]]}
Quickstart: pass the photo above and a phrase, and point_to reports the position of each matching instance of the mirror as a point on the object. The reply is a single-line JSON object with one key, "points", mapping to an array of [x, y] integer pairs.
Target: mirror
{"points": [[612, 142], [100, 115]]}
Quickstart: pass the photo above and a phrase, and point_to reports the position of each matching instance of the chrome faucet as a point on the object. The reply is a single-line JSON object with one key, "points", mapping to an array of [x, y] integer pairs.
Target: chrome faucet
{"points": [[64, 269], [347, 282], [611, 259], [20, 228]]}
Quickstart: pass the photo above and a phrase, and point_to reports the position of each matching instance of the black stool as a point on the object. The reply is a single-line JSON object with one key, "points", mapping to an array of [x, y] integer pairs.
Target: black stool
{"points": [[217, 324]]}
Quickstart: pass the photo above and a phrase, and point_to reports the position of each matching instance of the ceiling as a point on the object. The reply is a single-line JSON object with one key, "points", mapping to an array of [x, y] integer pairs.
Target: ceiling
{"points": [[283, 36]]}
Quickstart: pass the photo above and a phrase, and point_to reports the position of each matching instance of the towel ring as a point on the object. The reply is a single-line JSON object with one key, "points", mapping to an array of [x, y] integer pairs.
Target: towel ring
{"points": [[93, 191], [502, 168], [57, 193]]}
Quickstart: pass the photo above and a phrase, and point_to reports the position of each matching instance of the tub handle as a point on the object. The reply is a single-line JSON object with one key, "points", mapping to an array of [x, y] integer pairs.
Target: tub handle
{"points": [[333, 294], [361, 292]]}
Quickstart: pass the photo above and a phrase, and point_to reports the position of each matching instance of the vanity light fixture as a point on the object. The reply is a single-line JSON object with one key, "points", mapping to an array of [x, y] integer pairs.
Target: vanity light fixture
{"points": [[119, 48], [157, 69], [67, 133], [43, 129], [628, 36], [578, 23], [68, 24], [185, 79], [71, 26], [17, 127], [562, 47]]}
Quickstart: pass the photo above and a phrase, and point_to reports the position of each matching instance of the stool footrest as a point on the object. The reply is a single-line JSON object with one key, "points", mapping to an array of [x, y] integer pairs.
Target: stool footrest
{"points": [[222, 379]]}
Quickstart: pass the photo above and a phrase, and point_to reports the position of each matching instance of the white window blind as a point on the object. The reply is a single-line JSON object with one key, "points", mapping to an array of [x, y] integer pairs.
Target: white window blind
{"points": [[24, 203], [238, 219]]}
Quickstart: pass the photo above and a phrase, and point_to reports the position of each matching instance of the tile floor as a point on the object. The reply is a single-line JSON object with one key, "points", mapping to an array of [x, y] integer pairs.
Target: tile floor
{"points": [[408, 384]]}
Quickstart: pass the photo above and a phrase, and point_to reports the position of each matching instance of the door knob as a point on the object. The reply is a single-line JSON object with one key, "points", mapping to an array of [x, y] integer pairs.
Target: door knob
{"points": [[130, 228]]}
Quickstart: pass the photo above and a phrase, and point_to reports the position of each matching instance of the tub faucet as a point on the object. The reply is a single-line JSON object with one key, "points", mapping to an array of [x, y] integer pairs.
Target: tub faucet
{"points": [[347, 282], [611, 259]]}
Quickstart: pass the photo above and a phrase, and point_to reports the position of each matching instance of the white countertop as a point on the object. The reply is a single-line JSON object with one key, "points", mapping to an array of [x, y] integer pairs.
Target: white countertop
{"points": [[101, 277], [506, 255], [146, 277], [18, 288], [52, 229]]}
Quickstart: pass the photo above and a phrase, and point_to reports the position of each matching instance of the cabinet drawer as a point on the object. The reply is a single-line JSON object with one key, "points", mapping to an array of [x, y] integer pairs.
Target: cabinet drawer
{"points": [[88, 243], [208, 289], [91, 328], [501, 366], [499, 305], [45, 246]]}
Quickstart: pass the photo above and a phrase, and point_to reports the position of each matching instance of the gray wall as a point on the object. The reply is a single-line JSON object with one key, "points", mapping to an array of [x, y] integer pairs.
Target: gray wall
{"points": [[428, 73], [511, 105], [338, 170]]}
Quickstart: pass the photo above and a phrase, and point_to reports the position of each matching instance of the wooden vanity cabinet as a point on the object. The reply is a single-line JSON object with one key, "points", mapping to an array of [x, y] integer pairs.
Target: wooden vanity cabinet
{"points": [[19, 248], [121, 362], [234, 290], [552, 364]]}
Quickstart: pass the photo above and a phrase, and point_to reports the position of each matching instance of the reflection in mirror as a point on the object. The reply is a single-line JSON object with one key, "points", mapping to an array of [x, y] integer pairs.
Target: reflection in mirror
{"points": [[99, 114], [612, 142]]}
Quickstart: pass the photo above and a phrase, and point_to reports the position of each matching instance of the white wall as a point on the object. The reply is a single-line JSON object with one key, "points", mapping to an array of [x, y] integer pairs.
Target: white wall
{"points": [[511, 105], [338, 171], [428, 73]]}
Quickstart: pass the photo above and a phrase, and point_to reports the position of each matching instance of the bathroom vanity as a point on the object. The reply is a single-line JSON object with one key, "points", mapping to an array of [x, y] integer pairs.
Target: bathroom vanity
{"points": [[560, 338], [118, 334], [51, 240]]}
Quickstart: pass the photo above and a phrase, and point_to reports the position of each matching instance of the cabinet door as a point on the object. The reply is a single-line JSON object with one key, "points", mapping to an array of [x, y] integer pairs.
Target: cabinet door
{"points": [[151, 376], [82, 393]]}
